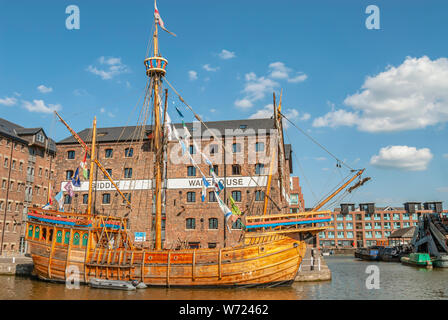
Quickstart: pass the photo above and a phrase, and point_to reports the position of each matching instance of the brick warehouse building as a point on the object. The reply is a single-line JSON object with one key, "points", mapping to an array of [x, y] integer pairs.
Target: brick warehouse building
{"points": [[126, 153], [26, 166], [297, 203], [369, 225]]}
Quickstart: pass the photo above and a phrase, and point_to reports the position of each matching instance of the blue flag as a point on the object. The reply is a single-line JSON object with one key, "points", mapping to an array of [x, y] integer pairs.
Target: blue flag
{"points": [[180, 113], [75, 180], [205, 182]]}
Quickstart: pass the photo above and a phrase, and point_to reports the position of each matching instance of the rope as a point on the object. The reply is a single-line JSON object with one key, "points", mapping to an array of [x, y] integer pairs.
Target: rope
{"points": [[311, 138], [214, 136]]}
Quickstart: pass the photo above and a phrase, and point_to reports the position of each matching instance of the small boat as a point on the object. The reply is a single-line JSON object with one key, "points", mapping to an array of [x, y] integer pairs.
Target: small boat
{"points": [[440, 261], [422, 260], [111, 284], [393, 254], [370, 253]]}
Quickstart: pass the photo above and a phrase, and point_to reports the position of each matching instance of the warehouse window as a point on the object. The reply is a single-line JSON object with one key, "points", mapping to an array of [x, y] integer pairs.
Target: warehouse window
{"points": [[128, 173], [109, 171], [71, 154], [127, 196], [67, 199], [259, 146], [211, 196], [190, 223], [106, 198], [236, 169], [108, 153], [213, 148], [236, 147], [259, 195], [237, 224], [236, 195], [259, 168], [214, 169], [128, 152], [213, 223], [191, 171], [191, 196], [68, 174]]}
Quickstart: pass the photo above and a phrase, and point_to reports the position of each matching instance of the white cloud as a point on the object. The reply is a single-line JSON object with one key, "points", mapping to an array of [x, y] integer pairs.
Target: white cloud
{"points": [[402, 158], [445, 155], [40, 107], [320, 159], [278, 70], [44, 89], [104, 111], [210, 69], [305, 117], [243, 103], [8, 101], [111, 67], [413, 95], [336, 118], [299, 78], [256, 88], [268, 111], [442, 189], [192, 75], [80, 92], [225, 54]]}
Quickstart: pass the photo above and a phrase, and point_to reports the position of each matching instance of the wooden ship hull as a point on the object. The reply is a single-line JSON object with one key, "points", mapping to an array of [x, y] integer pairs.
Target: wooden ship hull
{"points": [[58, 251]]}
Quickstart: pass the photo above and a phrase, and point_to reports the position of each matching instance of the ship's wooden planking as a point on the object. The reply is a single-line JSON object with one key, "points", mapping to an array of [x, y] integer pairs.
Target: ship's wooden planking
{"points": [[58, 251]]}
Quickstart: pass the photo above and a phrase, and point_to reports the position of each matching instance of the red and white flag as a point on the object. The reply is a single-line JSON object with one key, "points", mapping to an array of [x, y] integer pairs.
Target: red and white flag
{"points": [[159, 20]]}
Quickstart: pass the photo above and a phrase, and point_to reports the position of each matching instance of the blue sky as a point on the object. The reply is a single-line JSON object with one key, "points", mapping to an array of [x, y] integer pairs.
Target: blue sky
{"points": [[377, 99]]}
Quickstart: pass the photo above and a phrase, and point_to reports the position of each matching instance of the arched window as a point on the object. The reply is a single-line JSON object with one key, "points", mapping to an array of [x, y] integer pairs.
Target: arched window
{"points": [[76, 239], [59, 236], [30, 231], [36, 233], [67, 237], [85, 239]]}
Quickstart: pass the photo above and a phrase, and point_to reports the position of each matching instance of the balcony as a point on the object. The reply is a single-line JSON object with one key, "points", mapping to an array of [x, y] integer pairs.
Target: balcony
{"points": [[29, 178], [31, 158], [28, 197]]}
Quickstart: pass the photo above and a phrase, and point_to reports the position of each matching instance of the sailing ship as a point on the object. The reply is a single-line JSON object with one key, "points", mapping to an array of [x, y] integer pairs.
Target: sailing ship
{"points": [[100, 247]]}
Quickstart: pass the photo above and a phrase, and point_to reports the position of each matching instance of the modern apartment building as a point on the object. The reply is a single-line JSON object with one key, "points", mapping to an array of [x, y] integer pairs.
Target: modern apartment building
{"points": [[368, 225]]}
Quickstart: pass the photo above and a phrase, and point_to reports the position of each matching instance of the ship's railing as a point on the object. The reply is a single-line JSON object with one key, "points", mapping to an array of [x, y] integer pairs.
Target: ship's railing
{"points": [[75, 219], [313, 221]]}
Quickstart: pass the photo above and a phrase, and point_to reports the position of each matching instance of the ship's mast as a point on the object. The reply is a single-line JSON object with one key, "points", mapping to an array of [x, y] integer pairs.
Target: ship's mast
{"points": [[156, 69], [92, 159]]}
